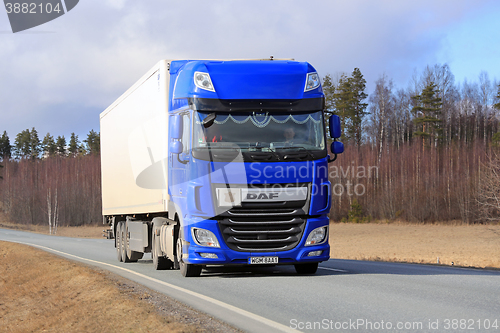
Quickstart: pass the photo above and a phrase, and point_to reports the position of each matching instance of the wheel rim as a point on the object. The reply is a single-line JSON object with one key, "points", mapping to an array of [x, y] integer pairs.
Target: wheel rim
{"points": [[118, 233], [179, 251], [119, 239], [127, 237], [124, 249]]}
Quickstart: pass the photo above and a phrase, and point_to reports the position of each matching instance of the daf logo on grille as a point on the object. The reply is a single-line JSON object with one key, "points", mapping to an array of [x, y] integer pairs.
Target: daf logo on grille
{"points": [[255, 196], [234, 196]]}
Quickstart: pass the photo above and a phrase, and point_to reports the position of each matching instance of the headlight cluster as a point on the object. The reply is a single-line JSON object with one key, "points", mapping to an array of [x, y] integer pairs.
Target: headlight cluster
{"points": [[312, 81], [317, 236], [205, 237], [202, 80]]}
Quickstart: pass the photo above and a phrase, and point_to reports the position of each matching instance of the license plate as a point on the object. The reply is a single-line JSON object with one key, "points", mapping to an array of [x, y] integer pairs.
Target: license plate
{"points": [[262, 260]]}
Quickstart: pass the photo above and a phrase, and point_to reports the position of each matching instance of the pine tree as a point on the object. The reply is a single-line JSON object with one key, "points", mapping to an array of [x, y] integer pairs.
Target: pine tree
{"points": [[93, 142], [427, 110], [329, 91], [74, 144], [5, 147], [61, 146], [348, 102], [358, 85], [341, 100], [49, 145], [35, 144], [27, 144]]}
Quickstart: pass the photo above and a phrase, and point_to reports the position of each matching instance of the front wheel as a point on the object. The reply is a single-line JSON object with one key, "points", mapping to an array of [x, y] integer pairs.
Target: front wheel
{"points": [[187, 270], [309, 268]]}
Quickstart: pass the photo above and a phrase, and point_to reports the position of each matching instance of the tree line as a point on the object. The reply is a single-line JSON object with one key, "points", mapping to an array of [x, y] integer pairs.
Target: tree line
{"points": [[434, 146], [51, 181], [28, 145], [432, 109]]}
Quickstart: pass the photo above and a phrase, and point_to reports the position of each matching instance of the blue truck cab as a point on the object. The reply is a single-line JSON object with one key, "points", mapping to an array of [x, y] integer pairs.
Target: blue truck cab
{"points": [[246, 169]]}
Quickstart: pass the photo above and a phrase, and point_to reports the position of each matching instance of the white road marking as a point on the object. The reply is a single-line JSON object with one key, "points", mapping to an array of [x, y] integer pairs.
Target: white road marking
{"points": [[268, 322], [333, 269]]}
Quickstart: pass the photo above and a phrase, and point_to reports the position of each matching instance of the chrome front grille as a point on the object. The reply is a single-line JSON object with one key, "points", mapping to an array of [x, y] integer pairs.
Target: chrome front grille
{"points": [[267, 226], [260, 231]]}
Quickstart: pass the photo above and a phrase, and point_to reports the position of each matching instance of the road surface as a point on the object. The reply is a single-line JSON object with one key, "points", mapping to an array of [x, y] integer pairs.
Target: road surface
{"points": [[344, 296]]}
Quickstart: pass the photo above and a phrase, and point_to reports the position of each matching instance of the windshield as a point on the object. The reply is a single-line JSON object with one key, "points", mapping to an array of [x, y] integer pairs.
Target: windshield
{"points": [[262, 132]]}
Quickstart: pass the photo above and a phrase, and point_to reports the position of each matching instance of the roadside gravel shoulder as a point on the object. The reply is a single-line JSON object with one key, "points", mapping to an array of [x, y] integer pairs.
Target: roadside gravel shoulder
{"points": [[44, 292], [168, 307]]}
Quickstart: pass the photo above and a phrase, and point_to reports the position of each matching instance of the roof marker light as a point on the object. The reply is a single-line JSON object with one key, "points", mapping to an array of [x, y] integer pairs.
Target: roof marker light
{"points": [[203, 81], [312, 81]]}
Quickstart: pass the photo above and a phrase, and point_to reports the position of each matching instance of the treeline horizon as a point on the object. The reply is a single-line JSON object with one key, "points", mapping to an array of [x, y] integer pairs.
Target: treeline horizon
{"points": [[51, 181], [435, 146], [432, 108], [27, 144]]}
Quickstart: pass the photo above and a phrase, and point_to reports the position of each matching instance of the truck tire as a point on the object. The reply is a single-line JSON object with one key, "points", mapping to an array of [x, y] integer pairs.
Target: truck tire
{"points": [[123, 242], [130, 256], [119, 241], [309, 268], [159, 262], [187, 270]]}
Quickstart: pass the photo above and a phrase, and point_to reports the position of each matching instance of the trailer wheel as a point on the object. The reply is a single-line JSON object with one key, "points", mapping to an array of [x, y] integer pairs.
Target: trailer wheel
{"points": [[119, 241], [130, 256], [159, 262], [187, 270], [123, 246], [309, 268]]}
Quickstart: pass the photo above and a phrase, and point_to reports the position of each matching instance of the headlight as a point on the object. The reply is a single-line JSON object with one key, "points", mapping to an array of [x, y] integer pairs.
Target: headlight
{"points": [[312, 81], [205, 237], [317, 236], [203, 81]]}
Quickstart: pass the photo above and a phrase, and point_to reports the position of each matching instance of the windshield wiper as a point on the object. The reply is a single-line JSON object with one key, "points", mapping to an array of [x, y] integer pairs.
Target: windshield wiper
{"points": [[297, 148], [263, 155]]}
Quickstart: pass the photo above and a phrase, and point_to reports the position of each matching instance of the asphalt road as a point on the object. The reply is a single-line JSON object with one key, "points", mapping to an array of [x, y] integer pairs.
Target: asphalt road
{"points": [[344, 296]]}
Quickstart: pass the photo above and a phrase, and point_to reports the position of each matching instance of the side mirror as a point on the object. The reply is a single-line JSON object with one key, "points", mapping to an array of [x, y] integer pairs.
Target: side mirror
{"points": [[335, 128], [337, 147], [176, 147], [176, 126]]}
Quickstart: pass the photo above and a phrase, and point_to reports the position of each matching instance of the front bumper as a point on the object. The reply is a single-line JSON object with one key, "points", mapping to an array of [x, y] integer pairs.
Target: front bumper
{"points": [[226, 256]]}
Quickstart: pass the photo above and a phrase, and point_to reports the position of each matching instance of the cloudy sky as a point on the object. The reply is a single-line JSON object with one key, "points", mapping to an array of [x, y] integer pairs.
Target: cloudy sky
{"points": [[59, 76]]}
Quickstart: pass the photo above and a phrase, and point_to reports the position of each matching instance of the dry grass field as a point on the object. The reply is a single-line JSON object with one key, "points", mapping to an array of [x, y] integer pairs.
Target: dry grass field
{"points": [[79, 232], [41, 292], [460, 245]]}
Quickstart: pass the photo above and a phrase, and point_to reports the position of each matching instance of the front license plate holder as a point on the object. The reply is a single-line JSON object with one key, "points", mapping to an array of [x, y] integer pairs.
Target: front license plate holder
{"points": [[262, 260]]}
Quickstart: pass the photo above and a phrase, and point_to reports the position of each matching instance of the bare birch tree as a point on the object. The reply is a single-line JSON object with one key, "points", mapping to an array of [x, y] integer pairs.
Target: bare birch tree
{"points": [[488, 196]]}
